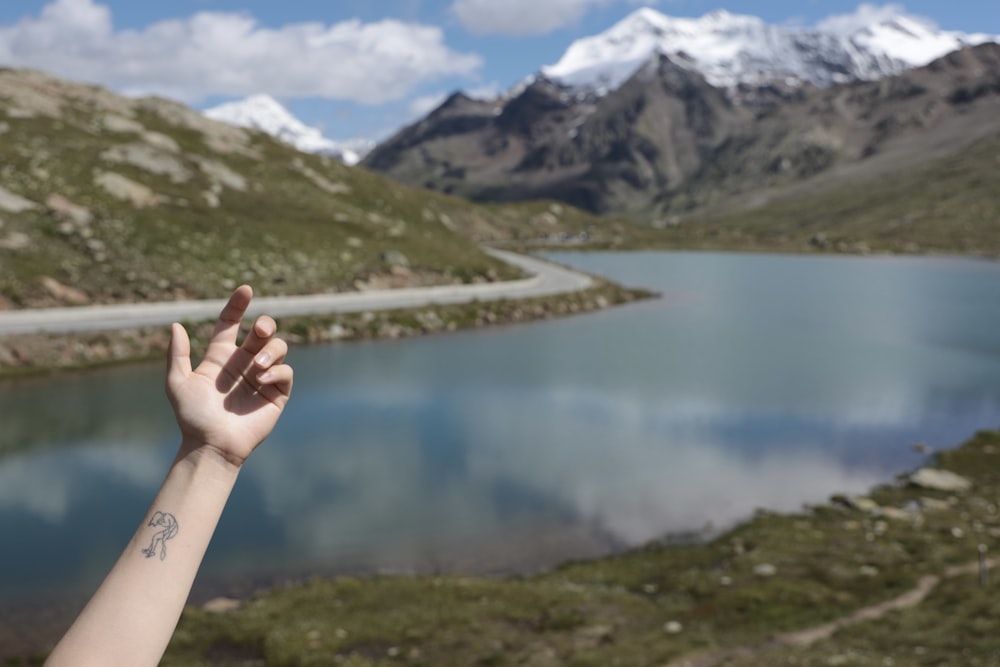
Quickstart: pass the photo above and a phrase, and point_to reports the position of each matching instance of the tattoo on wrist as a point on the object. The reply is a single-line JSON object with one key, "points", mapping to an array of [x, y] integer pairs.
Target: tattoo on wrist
{"points": [[168, 528]]}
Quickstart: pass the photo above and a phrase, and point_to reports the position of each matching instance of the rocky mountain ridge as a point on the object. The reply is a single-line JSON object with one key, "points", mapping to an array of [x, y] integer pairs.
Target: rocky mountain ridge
{"points": [[731, 50], [667, 141]]}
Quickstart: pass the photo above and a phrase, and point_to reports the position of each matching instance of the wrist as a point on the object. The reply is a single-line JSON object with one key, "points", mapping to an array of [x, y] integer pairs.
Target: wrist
{"points": [[209, 458]]}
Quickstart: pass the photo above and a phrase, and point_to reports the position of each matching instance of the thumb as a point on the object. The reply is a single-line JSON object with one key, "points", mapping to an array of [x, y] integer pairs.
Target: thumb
{"points": [[178, 357]]}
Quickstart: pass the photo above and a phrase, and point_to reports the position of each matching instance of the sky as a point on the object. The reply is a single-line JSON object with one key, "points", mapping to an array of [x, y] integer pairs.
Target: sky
{"points": [[359, 68]]}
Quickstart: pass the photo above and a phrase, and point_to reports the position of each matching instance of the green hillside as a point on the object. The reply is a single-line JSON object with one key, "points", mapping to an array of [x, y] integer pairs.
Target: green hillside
{"points": [[946, 205], [111, 199]]}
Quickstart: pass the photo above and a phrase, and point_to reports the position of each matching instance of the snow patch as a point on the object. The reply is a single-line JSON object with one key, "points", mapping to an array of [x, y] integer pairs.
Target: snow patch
{"points": [[264, 113]]}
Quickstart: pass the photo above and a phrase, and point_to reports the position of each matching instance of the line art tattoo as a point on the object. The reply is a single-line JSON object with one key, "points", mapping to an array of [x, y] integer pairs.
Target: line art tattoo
{"points": [[159, 542]]}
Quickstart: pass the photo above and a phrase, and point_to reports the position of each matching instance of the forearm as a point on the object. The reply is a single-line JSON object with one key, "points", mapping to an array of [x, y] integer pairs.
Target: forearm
{"points": [[132, 615]]}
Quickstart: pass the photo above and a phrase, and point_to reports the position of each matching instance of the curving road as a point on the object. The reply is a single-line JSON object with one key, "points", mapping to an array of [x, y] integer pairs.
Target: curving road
{"points": [[546, 280]]}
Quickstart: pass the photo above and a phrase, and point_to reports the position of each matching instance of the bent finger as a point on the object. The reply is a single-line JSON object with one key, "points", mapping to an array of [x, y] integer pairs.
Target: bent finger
{"points": [[273, 352], [262, 331], [278, 377]]}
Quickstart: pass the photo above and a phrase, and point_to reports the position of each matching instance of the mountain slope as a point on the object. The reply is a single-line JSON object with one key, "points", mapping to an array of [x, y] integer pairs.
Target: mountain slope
{"points": [[111, 199], [667, 141]]}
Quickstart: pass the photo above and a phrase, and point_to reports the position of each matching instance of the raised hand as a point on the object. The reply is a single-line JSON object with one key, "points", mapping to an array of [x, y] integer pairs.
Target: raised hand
{"points": [[232, 400]]}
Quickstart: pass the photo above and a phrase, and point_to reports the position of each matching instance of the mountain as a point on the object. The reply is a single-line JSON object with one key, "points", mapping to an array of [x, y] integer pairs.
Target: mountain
{"points": [[264, 113], [735, 107], [731, 50]]}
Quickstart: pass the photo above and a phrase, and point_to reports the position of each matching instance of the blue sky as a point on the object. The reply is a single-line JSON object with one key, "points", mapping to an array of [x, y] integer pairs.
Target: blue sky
{"points": [[355, 68]]}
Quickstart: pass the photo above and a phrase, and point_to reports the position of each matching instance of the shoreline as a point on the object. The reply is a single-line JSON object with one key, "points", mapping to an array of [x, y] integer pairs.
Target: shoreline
{"points": [[822, 567], [27, 355]]}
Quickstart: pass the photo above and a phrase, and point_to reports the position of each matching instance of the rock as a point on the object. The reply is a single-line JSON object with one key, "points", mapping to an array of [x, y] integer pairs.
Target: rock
{"points": [[221, 605], [64, 209], [220, 137], [338, 331], [148, 158], [220, 173], [161, 141], [323, 183], [765, 570], [868, 571], [934, 505], [64, 293], [13, 203], [126, 189], [29, 93], [593, 636], [673, 627], [116, 123], [7, 356], [394, 258], [15, 241], [938, 480], [858, 503]]}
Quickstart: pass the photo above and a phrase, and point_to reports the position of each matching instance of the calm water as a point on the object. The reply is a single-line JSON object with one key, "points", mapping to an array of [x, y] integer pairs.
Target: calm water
{"points": [[756, 381]]}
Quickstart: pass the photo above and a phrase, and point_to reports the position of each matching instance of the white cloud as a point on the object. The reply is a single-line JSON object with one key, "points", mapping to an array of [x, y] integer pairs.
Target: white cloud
{"points": [[217, 53], [522, 17], [864, 16]]}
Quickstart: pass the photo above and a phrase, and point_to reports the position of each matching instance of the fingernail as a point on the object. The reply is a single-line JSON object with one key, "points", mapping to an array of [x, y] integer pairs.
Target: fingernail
{"points": [[264, 377], [263, 359]]}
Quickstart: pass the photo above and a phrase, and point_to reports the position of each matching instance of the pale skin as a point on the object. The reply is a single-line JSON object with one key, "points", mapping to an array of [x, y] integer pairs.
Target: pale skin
{"points": [[225, 407]]}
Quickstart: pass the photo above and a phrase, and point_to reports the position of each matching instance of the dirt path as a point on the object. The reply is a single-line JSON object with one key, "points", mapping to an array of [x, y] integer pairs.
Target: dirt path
{"points": [[809, 636]]}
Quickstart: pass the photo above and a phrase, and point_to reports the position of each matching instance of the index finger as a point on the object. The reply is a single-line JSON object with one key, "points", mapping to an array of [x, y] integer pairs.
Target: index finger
{"points": [[227, 329]]}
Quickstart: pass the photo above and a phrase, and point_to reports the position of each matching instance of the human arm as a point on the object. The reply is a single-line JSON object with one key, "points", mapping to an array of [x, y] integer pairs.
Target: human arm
{"points": [[225, 408]]}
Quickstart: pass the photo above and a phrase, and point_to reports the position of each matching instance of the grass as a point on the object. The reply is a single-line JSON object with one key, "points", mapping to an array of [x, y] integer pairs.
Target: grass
{"points": [[948, 205]]}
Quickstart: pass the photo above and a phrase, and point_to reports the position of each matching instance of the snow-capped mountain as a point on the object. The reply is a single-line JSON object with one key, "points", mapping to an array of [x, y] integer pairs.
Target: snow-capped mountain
{"points": [[729, 49], [264, 113]]}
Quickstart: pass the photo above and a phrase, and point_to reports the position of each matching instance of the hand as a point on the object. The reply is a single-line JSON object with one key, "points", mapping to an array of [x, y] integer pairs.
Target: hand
{"points": [[232, 400]]}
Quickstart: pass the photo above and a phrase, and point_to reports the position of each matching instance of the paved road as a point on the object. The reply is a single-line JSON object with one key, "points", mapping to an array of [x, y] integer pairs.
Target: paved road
{"points": [[546, 279]]}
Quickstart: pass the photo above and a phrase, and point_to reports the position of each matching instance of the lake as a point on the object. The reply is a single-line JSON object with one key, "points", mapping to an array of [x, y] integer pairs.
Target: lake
{"points": [[755, 381]]}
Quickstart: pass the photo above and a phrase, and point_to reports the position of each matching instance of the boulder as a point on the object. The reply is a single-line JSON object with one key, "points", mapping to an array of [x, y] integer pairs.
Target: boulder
{"points": [[149, 158], [765, 570], [64, 209], [938, 480], [64, 293], [120, 187], [14, 203], [395, 258], [858, 503]]}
